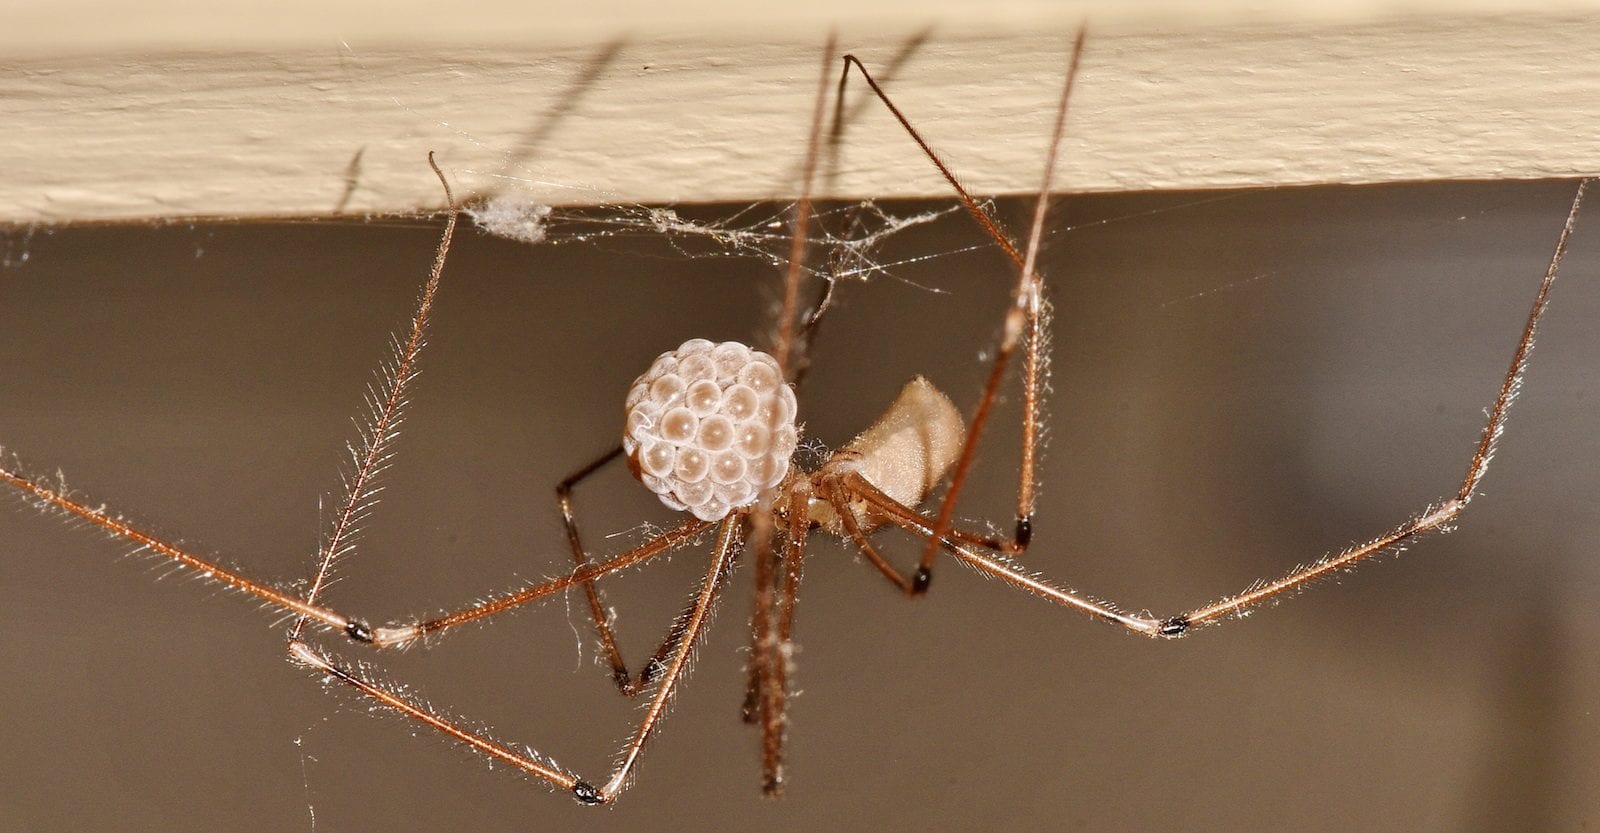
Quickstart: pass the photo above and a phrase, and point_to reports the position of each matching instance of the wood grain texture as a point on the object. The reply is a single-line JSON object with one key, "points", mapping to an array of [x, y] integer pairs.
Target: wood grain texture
{"points": [[244, 117]]}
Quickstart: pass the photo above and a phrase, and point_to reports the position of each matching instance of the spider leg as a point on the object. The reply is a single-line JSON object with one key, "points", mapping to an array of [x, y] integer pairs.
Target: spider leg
{"points": [[694, 620], [789, 313], [58, 501], [761, 618], [837, 496], [852, 527], [370, 462], [1004, 568], [1000, 567], [771, 622], [1024, 323], [387, 408], [793, 561], [597, 606], [528, 762], [772, 640], [693, 623], [356, 629], [1434, 518], [679, 535]]}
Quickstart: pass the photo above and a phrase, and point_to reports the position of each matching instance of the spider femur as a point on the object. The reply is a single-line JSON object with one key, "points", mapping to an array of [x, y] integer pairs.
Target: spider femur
{"points": [[709, 426]]}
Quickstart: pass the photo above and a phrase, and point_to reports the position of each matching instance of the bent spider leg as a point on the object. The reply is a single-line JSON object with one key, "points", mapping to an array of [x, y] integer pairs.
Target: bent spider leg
{"points": [[374, 455], [1434, 518], [532, 762], [373, 459], [597, 606], [626, 683], [1023, 318], [1024, 322], [694, 621], [370, 462], [959, 544], [852, 527]]}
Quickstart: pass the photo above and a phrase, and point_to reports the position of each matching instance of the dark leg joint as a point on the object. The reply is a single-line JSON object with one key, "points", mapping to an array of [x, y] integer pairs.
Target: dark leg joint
{"points": [[1024, 531], [358, 630], [1175, 627], [772, 786], [623, 680], [919, 581], [587, 794]]}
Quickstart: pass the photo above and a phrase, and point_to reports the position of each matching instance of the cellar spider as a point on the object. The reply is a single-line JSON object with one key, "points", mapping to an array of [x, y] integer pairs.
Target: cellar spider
{"points": [[768, 670]]}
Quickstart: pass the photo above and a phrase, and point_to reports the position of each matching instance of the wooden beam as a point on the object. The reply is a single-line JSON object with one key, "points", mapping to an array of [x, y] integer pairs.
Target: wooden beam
{"points": [[244, 115]]}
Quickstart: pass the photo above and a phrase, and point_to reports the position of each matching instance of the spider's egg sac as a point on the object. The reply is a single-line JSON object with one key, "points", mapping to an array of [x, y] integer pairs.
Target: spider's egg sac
{"points": [[709, 426]]}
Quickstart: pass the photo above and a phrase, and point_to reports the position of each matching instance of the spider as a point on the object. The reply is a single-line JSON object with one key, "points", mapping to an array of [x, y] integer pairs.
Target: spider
{"points": [[850, 494]]}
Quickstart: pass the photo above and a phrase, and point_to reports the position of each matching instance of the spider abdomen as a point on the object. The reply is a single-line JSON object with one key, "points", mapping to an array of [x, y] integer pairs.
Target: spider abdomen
{"points": [[906, 452], [709, 426]]}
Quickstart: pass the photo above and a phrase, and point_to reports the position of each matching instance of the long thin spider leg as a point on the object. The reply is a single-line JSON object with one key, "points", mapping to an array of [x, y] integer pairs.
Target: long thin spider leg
{"points": [[1007, 570], [761, 618], [1433, 518], [531, 762], [694, 624], [806, 338], [802, 218], [775, 692], [386, 423], [626, 682], [977, 211], [1023, 318], [357, 629], [371, 462], [1000, 567], [597, 606], [683, 533], [762, 669], [117, 527], [853, 482]]}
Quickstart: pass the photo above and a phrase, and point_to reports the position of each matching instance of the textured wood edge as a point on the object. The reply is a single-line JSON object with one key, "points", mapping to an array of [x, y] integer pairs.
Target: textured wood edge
{"points": [[720, 114]]}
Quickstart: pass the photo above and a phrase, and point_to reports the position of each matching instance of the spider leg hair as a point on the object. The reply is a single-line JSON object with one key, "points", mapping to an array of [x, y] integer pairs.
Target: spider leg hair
{"points": [[1024, 323], [598, 610], [528, 761], [1438, 517], [772, 638], [387, 408]]}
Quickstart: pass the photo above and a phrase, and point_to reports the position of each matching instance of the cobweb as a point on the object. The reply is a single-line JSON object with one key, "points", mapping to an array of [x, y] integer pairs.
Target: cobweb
{"points": [[843, 242]]}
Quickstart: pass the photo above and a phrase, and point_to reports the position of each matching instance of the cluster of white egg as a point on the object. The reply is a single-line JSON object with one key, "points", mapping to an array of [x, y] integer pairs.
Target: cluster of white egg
{"points": [[709, 426]]}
